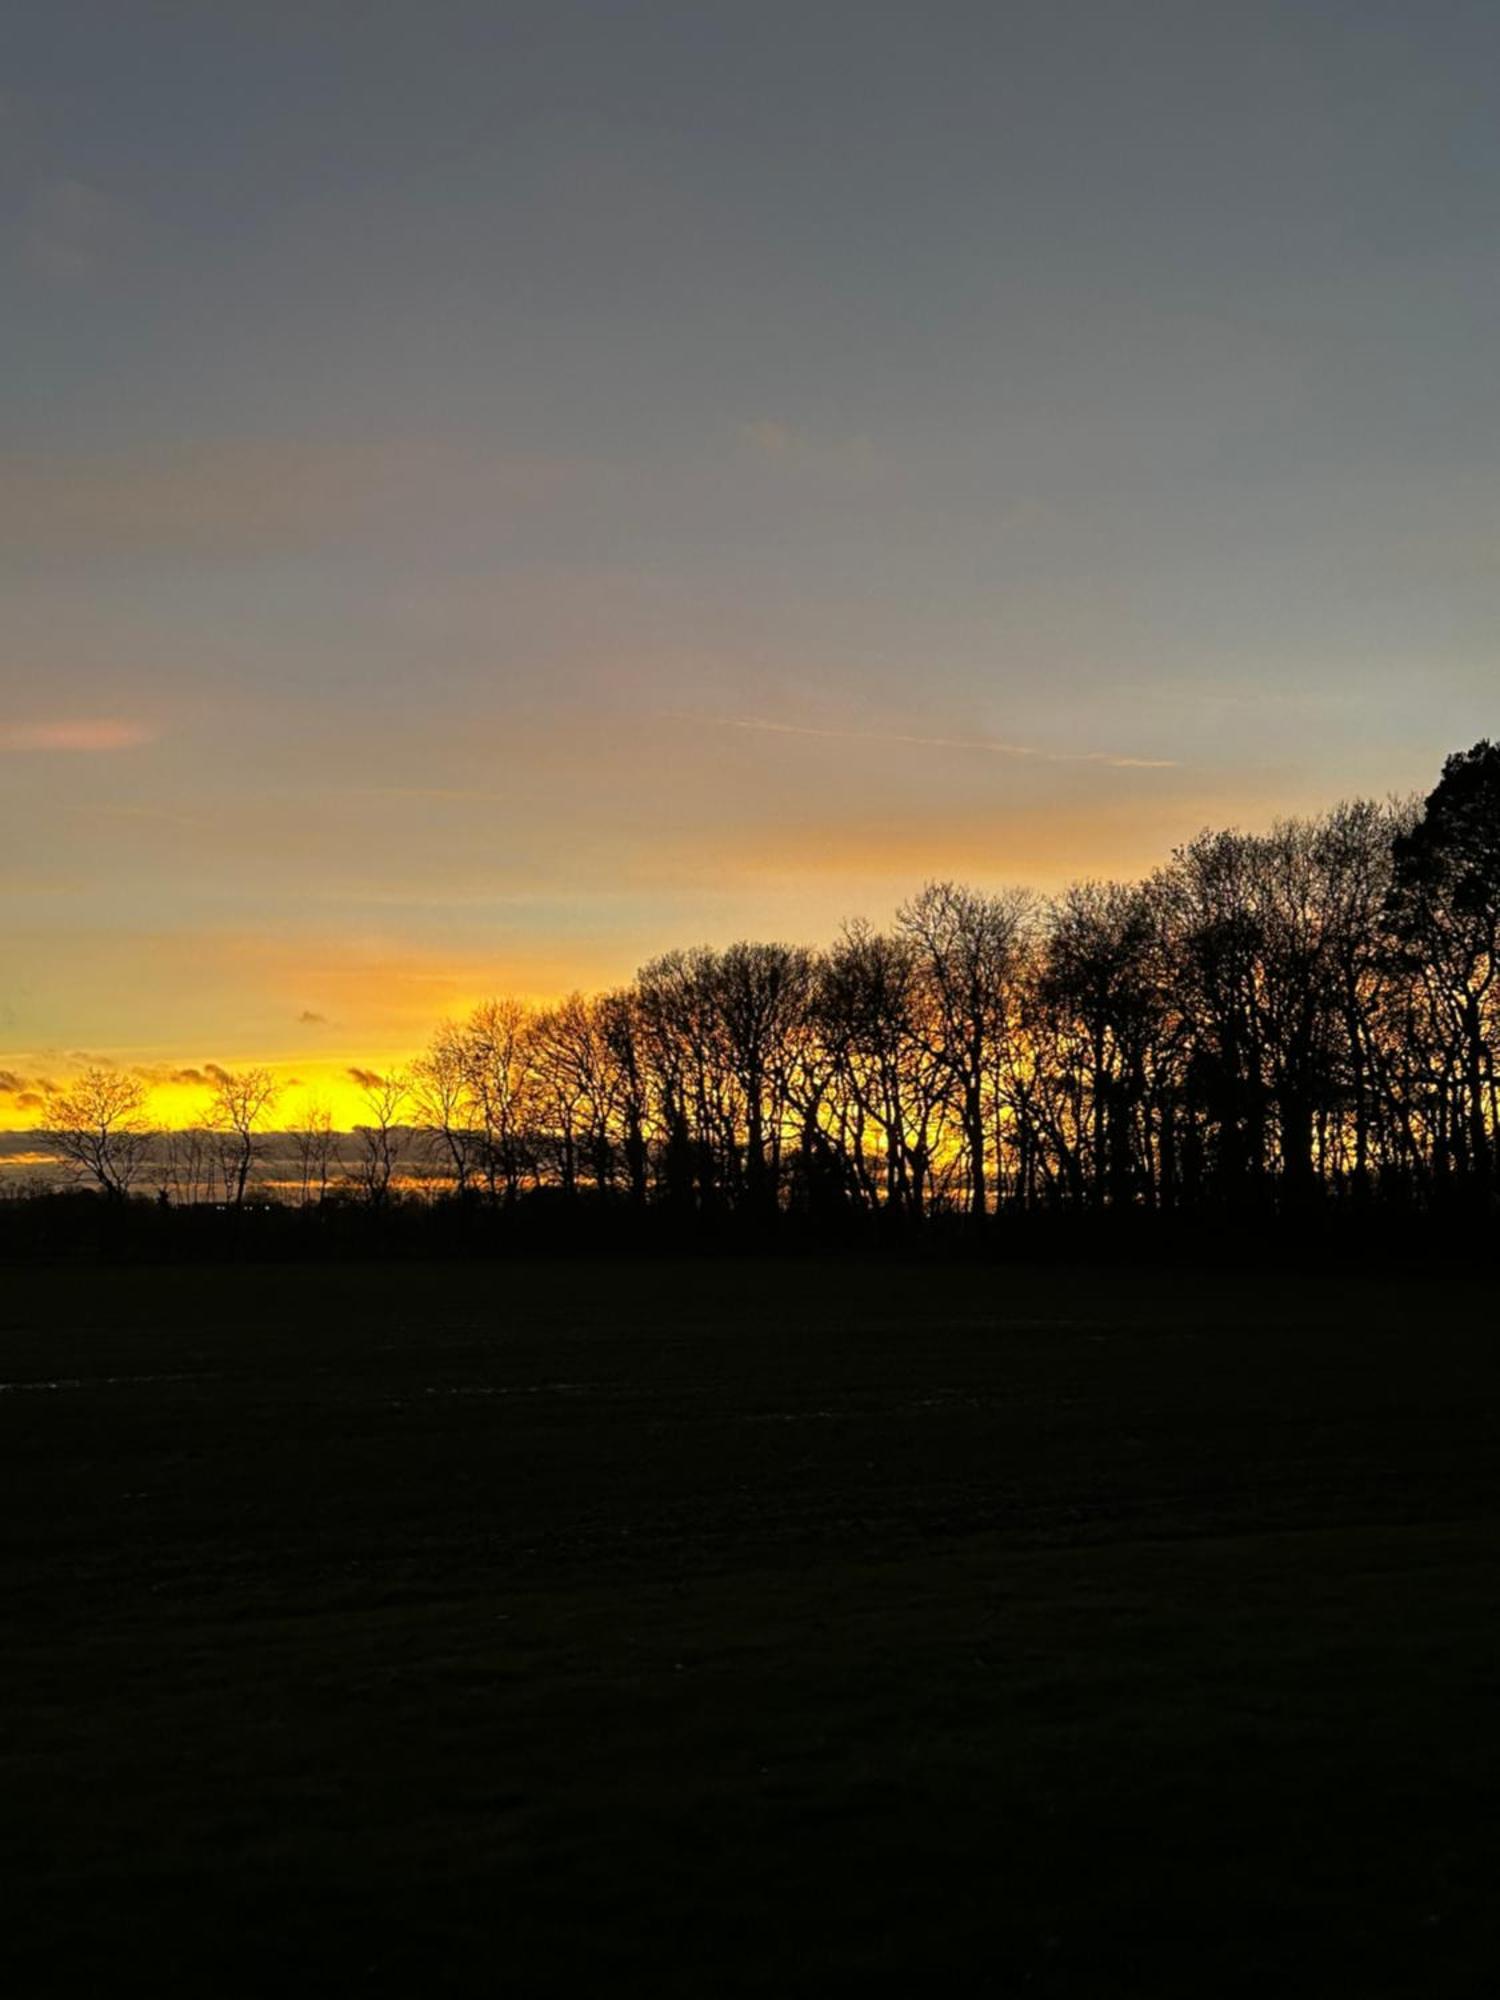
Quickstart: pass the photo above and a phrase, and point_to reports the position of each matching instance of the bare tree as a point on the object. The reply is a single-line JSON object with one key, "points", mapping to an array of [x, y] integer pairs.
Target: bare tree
{"points": [[562, 1058], [971, 951], [761, 996], [380, 1139], [622, 1050], [316, 1146], [238, 1102], [97, 1125], [885, 1103], [1096, 1038], [186, 1162], [444, 1105], [496, 1058]]}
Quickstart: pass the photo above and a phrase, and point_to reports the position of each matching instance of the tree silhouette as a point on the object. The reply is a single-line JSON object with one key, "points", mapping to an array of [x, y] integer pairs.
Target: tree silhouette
{"points": [[1272, 1021], [97, 1125], [1444, 911], [379, 1137], [239, 1101]]}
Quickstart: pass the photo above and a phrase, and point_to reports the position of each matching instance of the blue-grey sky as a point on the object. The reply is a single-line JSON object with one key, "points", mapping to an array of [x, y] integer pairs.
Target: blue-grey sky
{"points": [[489, 491]]}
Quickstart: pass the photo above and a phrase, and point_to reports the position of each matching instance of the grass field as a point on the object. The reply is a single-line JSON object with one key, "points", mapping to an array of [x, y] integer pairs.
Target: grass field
{"points": [[726, 1629]]}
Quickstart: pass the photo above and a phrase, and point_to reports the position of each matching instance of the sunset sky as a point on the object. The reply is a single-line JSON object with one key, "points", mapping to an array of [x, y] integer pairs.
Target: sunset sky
{"points": [[489, 492]]}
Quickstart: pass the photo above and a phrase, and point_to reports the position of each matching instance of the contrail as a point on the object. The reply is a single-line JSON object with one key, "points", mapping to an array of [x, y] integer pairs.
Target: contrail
{"points": [[994, 746]]}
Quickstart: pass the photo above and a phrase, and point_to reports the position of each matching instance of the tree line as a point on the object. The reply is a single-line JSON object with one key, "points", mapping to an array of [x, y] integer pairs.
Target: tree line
{"points": [[1270, 1020]]}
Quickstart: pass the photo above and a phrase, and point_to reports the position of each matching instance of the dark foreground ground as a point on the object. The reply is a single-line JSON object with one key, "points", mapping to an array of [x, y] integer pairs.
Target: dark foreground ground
{"points": [[706, 1629]]}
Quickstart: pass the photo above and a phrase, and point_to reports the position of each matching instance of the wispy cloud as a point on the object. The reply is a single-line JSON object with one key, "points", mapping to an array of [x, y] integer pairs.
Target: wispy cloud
{"points": [[87, 733], [249, 497], [149, 817], [989, 745], [460, 794]]}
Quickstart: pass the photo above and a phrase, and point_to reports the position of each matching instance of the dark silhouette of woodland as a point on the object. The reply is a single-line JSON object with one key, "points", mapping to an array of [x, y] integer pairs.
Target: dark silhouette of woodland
{"points": [[1291, 1027]]}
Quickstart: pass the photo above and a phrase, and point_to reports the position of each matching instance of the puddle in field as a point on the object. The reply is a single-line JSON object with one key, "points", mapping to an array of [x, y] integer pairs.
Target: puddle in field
{"points": [[94, 1382], [1013, 1322], [513, 1389], [796, 1416], [941, 1399]]}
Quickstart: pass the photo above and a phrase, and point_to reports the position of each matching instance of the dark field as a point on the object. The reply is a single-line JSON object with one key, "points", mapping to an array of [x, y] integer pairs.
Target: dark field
{"points": [[712, 1628]]}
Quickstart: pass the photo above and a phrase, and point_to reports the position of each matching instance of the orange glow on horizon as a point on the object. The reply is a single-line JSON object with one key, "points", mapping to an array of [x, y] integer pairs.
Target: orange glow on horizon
{"points": [[314, 1007], [181, 1100]]}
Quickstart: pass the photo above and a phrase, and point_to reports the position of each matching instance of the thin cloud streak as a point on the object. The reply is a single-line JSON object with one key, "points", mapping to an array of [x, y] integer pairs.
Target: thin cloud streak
{"points": [[460, 794], [993, 745], [94, 734]]}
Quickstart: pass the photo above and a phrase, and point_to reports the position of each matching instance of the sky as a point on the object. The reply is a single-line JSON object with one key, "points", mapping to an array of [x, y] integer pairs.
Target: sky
{"points": [[489, 492]]}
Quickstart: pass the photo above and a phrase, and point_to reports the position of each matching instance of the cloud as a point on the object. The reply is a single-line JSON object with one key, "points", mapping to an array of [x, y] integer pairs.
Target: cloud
{"points": [[775, 442], [993, 746], [367, 1079], [166, 1073], [308, 1019], [769, 436], [86, 734], [28, 1091]]}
